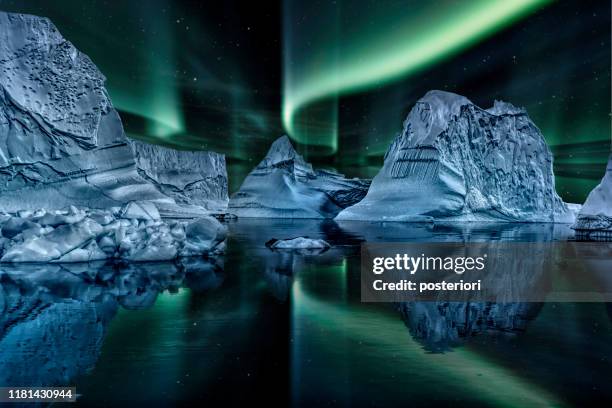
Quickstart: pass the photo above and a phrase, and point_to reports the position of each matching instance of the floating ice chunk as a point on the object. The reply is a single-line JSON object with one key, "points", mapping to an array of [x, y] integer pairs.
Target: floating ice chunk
{"points": [[54, 245], [90, 252], [15, 225], [202, 234], [59, 218], [298, 243]]}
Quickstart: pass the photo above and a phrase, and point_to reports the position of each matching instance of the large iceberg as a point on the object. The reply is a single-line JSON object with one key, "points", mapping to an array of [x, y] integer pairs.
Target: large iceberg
{"points": [[61, 140], [191, 178], [595, 218], [284, 185], [455, 161]]}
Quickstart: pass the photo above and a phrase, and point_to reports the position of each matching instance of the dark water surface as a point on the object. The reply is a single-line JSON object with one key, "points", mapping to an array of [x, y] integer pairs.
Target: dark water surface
{"points": [[257, 326]]}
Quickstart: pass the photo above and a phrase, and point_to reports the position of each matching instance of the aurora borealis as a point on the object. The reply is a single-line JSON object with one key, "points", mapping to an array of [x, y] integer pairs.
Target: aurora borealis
{"points": [[351, 58], [339, 77]]}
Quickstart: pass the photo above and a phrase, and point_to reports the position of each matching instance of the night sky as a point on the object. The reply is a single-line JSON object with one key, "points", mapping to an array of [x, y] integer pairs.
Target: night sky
{"points": [[340, 76]]}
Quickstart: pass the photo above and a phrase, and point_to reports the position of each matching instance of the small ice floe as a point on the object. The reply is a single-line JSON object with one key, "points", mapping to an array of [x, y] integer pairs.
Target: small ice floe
{"points": [[304, 245]]}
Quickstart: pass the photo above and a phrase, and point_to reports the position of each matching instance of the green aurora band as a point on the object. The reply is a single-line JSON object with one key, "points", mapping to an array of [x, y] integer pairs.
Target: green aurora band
{"points": [[408, 46]]}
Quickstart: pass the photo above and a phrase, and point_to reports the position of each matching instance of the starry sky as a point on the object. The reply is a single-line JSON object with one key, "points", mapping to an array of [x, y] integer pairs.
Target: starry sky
{"points": [[340, 76]]}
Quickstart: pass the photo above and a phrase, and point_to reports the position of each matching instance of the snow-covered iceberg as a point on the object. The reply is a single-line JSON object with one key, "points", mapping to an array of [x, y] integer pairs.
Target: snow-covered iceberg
{"points": [[594, 221], [455, 161], [191, 178], [284, 185], [134, 232], [61, 140]]}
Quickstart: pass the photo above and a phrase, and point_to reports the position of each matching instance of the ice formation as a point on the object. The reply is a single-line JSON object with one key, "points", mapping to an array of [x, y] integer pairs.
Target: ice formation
{"points": [[298, 243], [191, 178], [595, 219], [456, 161], [61, 140], [134, 232], [284, 185]]}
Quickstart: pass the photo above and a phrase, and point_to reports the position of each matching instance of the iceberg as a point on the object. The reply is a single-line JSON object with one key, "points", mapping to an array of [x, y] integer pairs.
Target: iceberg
{"points": [[135, 232], [594, 221], [457, 162], [191, 178], [62, 142], [284, 185]]}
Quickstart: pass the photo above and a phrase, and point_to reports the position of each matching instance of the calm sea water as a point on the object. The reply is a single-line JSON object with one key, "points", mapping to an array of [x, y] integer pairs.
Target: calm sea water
{"points": [[257, 326]]}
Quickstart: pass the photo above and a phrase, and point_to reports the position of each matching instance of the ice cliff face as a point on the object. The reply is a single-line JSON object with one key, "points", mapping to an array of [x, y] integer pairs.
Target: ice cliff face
{"points": [[61, 140], [595, 219], [284, 185], [190, 178], [456, 161]]}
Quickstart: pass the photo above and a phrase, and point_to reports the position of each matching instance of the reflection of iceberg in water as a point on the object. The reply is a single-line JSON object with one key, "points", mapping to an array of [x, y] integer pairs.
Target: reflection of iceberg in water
{"points": [[513, 292], [594, 265], [497, 310], [440, 326], [455, 232], [45, 343], [53, 318], [280, 266], [278, 273], [493, 312], [279, 285]]}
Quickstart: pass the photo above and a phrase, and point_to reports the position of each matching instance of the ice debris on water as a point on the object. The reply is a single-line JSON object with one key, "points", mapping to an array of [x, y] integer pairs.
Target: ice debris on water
{"points": [[134, 232]]}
